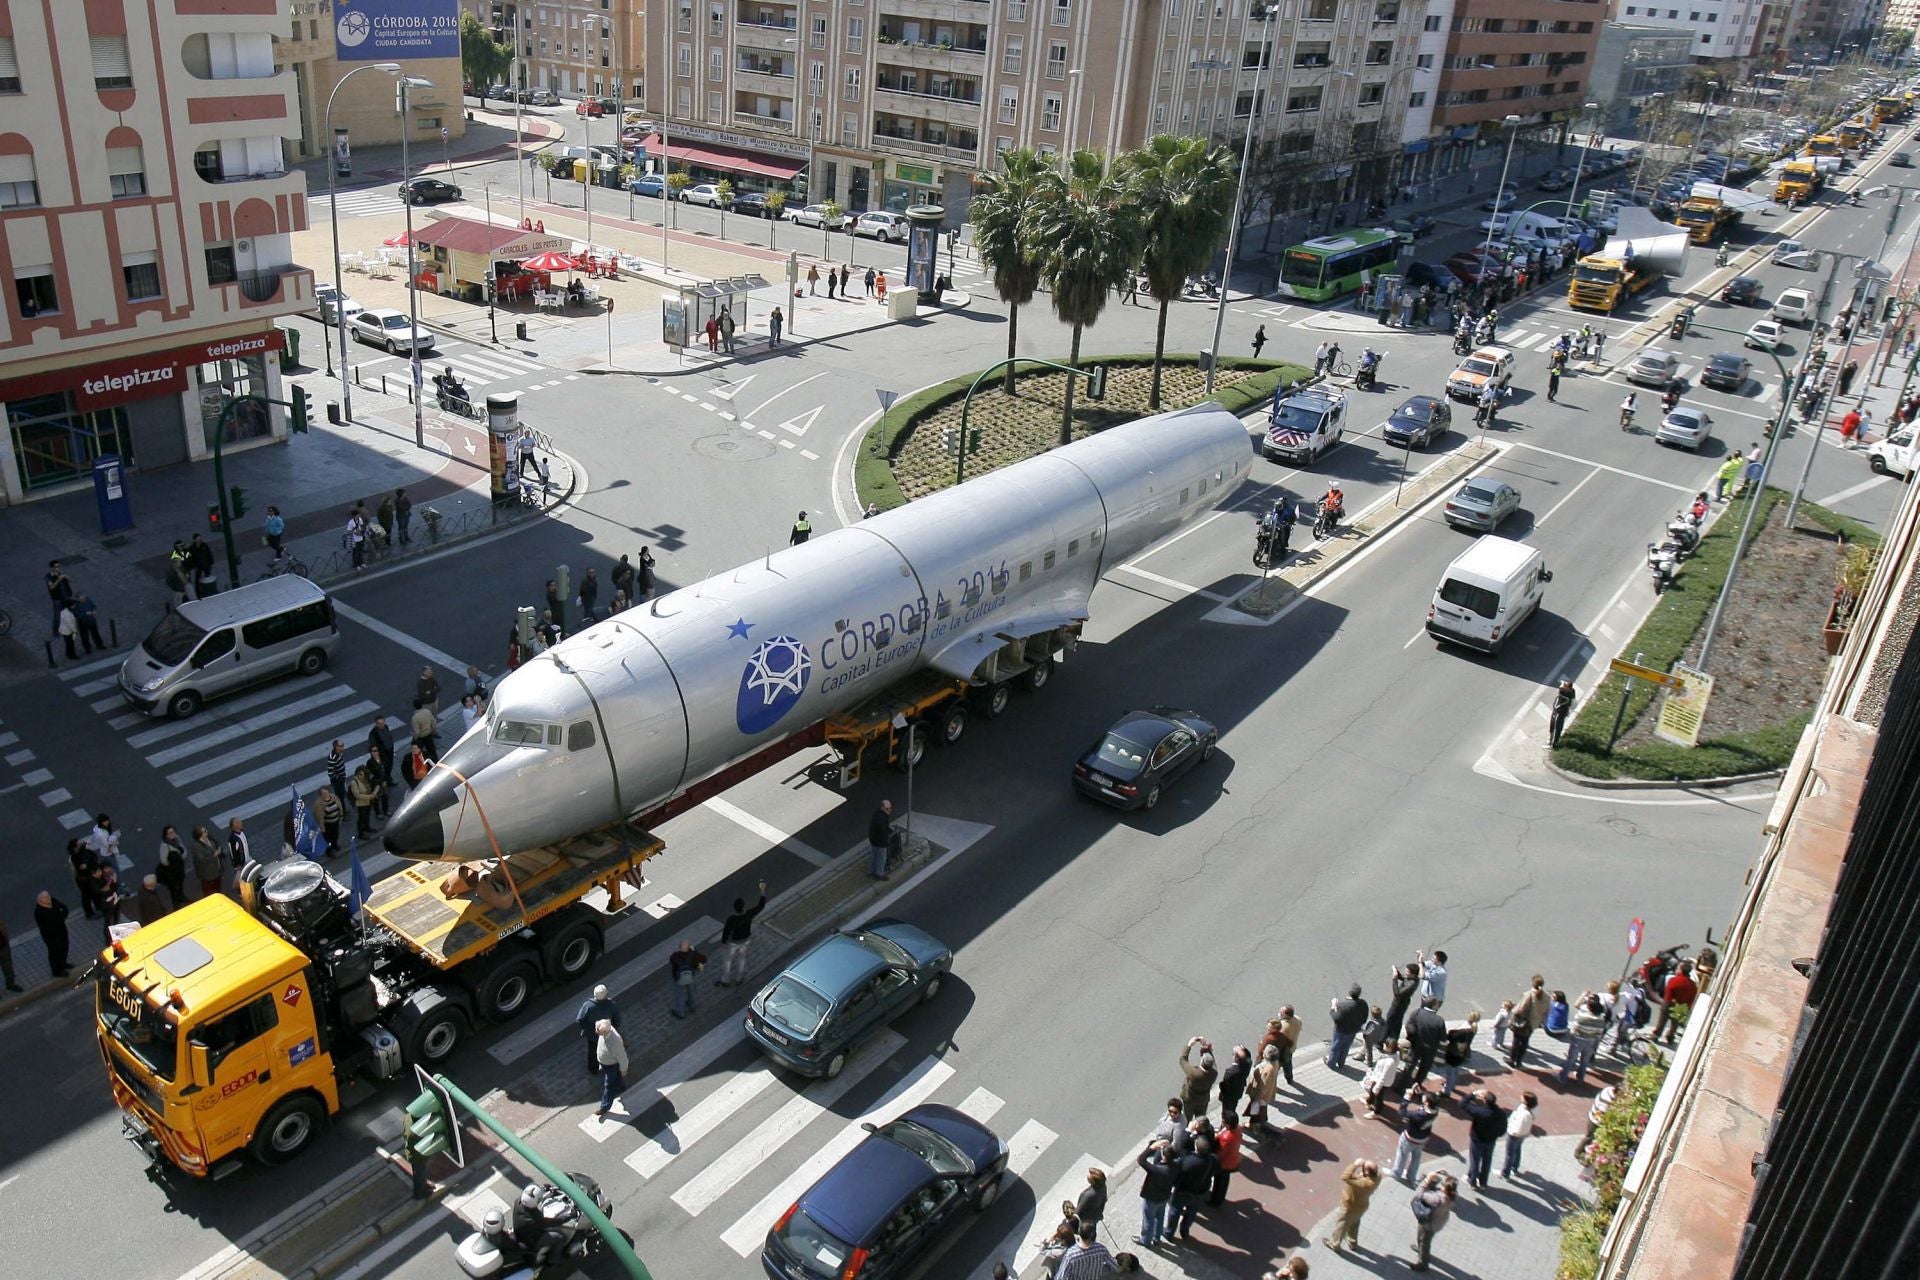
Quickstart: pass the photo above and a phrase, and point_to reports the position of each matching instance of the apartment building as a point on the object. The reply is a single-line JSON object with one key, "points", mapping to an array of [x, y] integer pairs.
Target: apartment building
{"points": [[577, 48], [146, 216], [1720, 28], [365, 106], [886, 103], [1630, 65], [1831, 29], [1525, 58]]}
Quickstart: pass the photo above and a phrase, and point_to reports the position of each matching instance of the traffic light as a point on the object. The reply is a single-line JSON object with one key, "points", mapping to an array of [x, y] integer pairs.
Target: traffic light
{"points": [[301, 419], [523, 625], [430, 1127], [236, 501], [1097, 383], [213, 518]]}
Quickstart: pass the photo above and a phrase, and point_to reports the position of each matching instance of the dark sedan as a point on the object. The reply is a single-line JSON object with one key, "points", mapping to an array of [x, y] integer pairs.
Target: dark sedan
{"points": [[427, 191], [751, 203], [1438, 278], [1137, 758], [818, 1009], [890, 1200], [1726, 371], [1421, 421], [1742, 291]]}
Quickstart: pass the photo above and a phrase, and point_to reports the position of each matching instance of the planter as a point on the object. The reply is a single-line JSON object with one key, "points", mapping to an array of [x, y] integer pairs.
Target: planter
{"points": [[1833, 630]]}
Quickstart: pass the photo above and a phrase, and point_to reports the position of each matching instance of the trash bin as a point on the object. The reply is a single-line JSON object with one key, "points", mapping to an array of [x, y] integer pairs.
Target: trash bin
{"points": [[520, 330], [290, 353], [333, 412], [1206, 359]]}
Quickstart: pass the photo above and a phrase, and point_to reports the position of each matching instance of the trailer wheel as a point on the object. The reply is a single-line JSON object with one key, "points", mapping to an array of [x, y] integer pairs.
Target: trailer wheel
{"points": [[953, 723], [1037, 675], [912, 750], [993, 700], [505, 991], [572, 951], [437, 1036], [288, 1129]]}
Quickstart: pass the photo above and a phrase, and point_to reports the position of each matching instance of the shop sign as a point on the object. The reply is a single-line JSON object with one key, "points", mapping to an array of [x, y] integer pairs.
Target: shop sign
{"points": [[142, 377], [917, 173]]}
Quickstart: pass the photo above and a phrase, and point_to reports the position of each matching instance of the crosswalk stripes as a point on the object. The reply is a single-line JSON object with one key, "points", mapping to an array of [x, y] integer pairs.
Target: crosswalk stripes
{"points": [[367, 203]]}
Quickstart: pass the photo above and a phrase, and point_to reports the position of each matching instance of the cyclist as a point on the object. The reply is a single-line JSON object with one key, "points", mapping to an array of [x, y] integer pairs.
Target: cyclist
{"points": [[1627, 407]]}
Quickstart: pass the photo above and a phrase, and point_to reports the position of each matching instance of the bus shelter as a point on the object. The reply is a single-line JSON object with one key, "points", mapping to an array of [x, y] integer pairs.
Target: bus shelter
{"points": [[684, 314]]}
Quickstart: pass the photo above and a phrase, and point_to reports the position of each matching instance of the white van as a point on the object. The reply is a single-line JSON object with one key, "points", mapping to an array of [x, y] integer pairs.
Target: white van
{"points": [[1892, 455], [1793, 306], [1487, 592], [204, 649]]}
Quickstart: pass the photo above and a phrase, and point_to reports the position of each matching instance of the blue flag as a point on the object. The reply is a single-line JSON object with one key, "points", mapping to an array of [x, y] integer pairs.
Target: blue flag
{"points": [[360, 889], [307, 839]]}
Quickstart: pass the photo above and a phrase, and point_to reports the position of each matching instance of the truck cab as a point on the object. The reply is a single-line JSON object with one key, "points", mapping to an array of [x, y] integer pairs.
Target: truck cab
{"points": [[1304, 424]]}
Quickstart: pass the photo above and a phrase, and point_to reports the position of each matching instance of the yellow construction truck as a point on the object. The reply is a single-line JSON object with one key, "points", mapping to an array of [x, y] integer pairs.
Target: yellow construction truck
{"points": [[1706, 218], [1798, 180], [236, 1027], [1603, 281]]}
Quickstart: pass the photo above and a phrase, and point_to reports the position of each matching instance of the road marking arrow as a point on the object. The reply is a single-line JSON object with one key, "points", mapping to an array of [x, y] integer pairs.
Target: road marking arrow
{"points": [[732, 389], [798, 426]]}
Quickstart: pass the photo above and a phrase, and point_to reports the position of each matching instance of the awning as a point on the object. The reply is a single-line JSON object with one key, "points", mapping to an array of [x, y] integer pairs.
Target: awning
{"points": [[733, 159]]}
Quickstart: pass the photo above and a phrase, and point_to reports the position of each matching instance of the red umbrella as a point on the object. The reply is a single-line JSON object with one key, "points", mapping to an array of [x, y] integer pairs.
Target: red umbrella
{"points": [[551, 261], [396, 242]]}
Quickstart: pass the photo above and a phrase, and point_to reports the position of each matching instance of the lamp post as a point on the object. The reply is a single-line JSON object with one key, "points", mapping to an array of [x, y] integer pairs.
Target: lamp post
{"points": [[1706, 115], [1653, 105], [1580, 166], [1264, 16], [333, 215], [404, 90], [1513, 133], [493, 330]]}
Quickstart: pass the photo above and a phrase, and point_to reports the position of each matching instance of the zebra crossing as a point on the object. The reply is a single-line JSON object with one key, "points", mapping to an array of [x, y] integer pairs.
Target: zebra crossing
{"points": [[481, 368], [369, 202]]}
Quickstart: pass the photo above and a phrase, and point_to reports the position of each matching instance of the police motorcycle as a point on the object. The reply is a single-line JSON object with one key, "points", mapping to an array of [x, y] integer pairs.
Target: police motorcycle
{"points": [[548, 1235]]}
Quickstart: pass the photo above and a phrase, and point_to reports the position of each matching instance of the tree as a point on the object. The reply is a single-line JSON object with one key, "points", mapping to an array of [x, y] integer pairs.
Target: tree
{"points": [[1087, 233], [482, 59], [776, 207], [1000, 214], [723, 191], [677, 182], [1182, 191], [829, 214]]}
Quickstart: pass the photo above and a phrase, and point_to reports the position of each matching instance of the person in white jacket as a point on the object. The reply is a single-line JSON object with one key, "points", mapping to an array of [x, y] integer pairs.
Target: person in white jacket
{"points": [[610, 1051]]}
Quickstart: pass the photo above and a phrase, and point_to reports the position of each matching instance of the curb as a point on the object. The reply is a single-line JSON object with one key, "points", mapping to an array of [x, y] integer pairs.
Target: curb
{"points": [[1669, 784], [34, 995]]}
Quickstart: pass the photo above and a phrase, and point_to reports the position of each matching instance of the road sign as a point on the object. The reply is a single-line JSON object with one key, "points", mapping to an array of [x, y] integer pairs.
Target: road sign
{"points": [[1620, 666], [443, 133], [1685, 706], [1636, 929], [886, 398]]}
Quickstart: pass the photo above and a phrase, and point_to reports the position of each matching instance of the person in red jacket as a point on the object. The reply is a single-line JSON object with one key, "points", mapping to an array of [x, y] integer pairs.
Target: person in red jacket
{"points": [[1226, 1150], [1681, 991]]}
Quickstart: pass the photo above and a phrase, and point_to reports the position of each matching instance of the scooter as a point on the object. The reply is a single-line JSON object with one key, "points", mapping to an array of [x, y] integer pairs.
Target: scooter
{"points": [[1663, 561], [1327, 521], [549, 1234], [1366, 377], [1683, 531], [1721, 257]]}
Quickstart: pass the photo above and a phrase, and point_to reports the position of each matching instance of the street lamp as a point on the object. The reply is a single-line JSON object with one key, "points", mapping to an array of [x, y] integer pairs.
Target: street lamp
{"points": [[1580, 166], [404, 89], [1640, 175], [333, 213], [1263, 15], [1513, 124]]}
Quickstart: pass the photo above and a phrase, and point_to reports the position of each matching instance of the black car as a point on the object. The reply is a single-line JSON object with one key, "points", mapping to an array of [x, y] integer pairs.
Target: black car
{"points": [[1726, 371], [1741, 290], [1135, 760], [1900, 160], [751, 203], [1433, 275], [427, 191], [1421, 421]]}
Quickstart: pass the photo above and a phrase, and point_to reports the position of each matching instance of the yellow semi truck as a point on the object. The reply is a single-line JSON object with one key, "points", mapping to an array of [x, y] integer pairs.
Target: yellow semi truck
{"points": [[1798, 180], [1602, 281], [236, 1027], [1706, 218]]}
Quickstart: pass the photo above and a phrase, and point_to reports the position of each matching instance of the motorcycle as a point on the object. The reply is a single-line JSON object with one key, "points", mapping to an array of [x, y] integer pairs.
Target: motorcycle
{"points": [[452, 396], [549, 1232], [1684, 531], [1669, 399], [1722, 257], [1653, 973], [1203, 285], [1663, 561], [1327, 521], [1462, 344], [1367, 376], [1270, 544]]}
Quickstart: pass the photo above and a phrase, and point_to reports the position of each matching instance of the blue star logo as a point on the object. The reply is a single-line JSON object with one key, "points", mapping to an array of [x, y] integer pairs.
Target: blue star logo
{"points": [[738, 628]]}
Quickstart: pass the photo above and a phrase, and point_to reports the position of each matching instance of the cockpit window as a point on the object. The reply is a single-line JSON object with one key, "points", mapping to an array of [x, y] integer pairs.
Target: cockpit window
{"points": [[580, 735], [520, 733]]}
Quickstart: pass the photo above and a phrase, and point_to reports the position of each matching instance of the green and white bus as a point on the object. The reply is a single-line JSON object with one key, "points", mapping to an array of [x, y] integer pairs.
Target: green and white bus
{"points": [[1329, 266]]}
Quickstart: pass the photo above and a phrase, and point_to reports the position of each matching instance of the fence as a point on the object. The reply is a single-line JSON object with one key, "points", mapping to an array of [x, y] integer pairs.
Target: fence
{"points": [[441, 531]]}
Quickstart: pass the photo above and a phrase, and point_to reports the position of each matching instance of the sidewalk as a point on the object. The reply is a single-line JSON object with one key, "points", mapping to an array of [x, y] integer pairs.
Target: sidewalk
{"points": [[1286, 1194], [489, 137]]}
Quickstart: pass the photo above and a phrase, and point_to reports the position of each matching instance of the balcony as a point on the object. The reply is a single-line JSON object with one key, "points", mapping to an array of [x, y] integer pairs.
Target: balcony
{"points": [[934, 107], [1321, 11], [291, 287], [965, 11], [955, 147], [773, 36], [776, 118], [764, 78]]}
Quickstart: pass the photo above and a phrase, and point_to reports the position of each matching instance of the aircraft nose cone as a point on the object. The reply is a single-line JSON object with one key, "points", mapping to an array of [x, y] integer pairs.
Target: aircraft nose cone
{"points": [[415, 829]]}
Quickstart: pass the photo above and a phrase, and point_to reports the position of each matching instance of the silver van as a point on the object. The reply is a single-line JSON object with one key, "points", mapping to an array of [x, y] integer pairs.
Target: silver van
{"points": [[205, 649]]}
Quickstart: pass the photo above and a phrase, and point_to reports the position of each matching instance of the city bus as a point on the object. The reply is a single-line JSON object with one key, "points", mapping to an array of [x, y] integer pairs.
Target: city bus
{"points": [[1326, 267]]}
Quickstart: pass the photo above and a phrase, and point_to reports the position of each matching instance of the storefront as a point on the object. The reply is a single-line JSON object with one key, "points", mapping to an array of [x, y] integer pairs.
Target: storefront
{"points": [[463, 254], [153, 410], [907, 185], [709, 155]]}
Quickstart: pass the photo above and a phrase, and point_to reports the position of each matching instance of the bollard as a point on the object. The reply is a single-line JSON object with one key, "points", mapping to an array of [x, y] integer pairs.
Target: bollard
{"points": [[520, 330], [113, 629]]}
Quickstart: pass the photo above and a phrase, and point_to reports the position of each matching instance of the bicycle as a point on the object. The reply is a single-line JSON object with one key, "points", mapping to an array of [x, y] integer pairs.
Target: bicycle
{"points": [[1340, 368], [282, 565]]}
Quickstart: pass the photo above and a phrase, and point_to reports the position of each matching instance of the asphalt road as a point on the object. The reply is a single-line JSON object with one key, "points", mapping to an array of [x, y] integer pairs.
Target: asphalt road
{"points": [[1342, 825]]}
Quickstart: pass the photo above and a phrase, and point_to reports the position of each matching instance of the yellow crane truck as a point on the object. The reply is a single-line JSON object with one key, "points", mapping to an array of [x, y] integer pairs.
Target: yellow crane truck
{"points": [[1603, 281], [1706, 218], [230, 1028]]}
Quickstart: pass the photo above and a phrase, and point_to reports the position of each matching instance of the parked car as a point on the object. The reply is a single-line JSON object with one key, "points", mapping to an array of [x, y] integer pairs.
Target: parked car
{"points": [[595, 107], [1556, 180], [324, 297], [542, 98], [819, 1008], [1654, 368], [500, 90], [890, 1201], [1481, 504], [427, 191], [706, 193], [1727, 371], [1742, 291], [1419, 422], [751, 203], [1416, 225], [882, 225], [1766, 335], [385, 327], [648, 184], [1685, 426], [815, 215], [1439, 278], [1144, 751], [1501, 199]]}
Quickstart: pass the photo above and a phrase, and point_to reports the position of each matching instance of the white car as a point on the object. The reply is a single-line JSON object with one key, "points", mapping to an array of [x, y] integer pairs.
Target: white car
{"points": [[391, 329], [882, 226], [1766, 335], [1654, 368], [705, 193], [1685, 426], [815, 215], [323, 298]]}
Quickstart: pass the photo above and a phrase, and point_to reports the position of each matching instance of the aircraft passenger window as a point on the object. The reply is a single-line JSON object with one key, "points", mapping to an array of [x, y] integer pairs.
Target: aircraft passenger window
{"points": [[1047, 562], [1183, 497], [1203, 488], [1073, 548], [580, 735], [1026, 570], [553, 735]]}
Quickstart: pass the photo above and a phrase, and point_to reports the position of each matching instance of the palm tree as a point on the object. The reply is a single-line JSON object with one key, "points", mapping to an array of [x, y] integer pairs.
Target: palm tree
{"points": [[1088, 234], [1183, 192], [999, 215]]}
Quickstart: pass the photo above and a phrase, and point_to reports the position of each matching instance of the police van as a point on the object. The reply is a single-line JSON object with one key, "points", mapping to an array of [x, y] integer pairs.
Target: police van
{"points": [[1304, 424]]}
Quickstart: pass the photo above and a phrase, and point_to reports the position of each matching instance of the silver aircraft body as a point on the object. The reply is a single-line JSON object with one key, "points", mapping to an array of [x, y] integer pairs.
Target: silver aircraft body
{"points": [[633, 711]]}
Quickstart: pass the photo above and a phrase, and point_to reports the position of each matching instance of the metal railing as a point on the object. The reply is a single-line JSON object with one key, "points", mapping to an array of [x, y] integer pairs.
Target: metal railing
{"points": [[440, 531]]}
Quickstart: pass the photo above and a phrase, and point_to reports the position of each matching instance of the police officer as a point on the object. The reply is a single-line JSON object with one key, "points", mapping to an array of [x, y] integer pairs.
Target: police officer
{"points": [[802, 530]]}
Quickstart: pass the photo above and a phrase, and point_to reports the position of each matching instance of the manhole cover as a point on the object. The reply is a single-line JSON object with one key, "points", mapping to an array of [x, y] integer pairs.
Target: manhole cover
{"points": [[1621, 826], [727, 447]]}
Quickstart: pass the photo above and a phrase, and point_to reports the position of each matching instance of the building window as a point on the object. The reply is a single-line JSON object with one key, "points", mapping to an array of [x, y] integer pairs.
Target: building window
{"points": [[850, 130], [816, 79], [1050, 112], [683, 57], [1062, 12], [715, 107], [817, 34], [23, 194], [111, 67], [1418, 99], [1433, 22], [9, 67], [1056, 61], [141, 272], [220, 265], [683, 24], [1159, 115], [683, 102], [851, 89], [54, 443], [716, 21], [34, 292], [716, 69], [1424, 62], [1011, 55], [856, 34], [1009, 106], [1016, 10]]}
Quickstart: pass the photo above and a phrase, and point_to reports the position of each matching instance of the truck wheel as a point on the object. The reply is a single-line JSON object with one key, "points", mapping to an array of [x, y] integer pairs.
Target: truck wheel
{"points": [[572, 951], [437, 1036], [1037, 675], [993, 700], [505, 991], [288, 1129], [953, 724]]}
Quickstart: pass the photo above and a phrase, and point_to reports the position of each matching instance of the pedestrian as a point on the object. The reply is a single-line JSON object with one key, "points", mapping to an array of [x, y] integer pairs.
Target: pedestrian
{"points": [[1226, 1154], [1519, 1129], [1086, 1258], [556, 605], [1416, 1126], [813, 278], [736, 935], [1156, 1192], [1553, 382], [200, 558], [1501, 1022], [1865, 434], [1192, 1180], [1263, 1085], [81, 860], [1528, 1013], [1233, 1079], [332, 809], [801, 531], [879, 837], [1848, 372], [1679, 995], [50, 918], [589, 597], [774, 322], [1294, 1268], [1406, 309], [713, 333], [1196, 1079], [1283, 1030], [1321, 357], [1433, 977], [1356, 1192], [354, 539], [147, 906], [360, 790], [1090, 1206], [104, 840], [177, 571], [1626, 1015], [60, 592], [1486, 1125], [610, 1052], [384, 514], [682, 969], [1457, 1051], [1259, 340], [1849, 425], [1432, 1206], [726, 330], [425, 727], [1562, 705], [403, 515], [106, 892], [1426, 1033], [239, 848], [1729, 469], [172, 867], [1584, 1033], [846, 277], [1133, 288], [1557, 1011], [1381, 1077], [69, 628], [866, 286], [206, 861], [833, 282], [415, 768], [594, 1010], [1595, 1113], [1349, 1015], [1405, 981]]}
